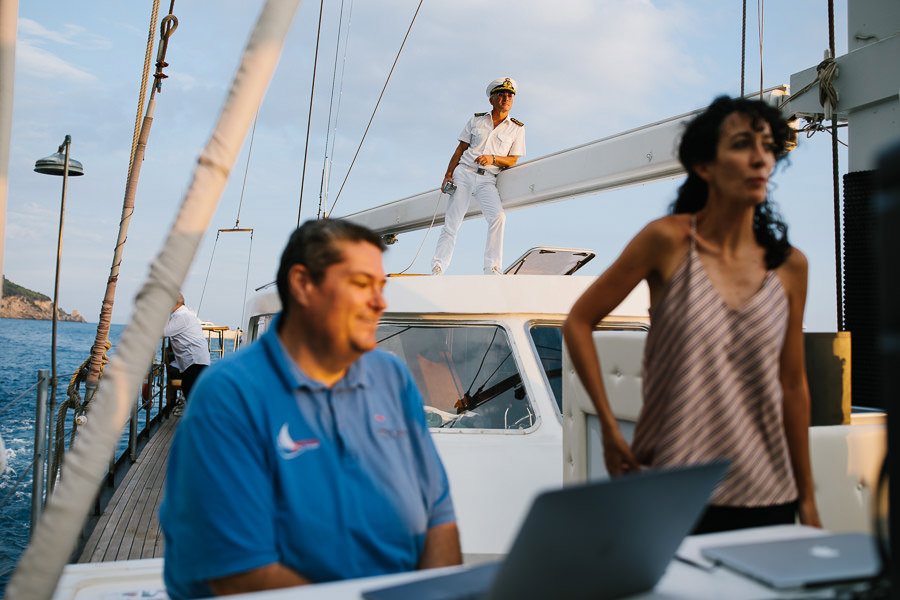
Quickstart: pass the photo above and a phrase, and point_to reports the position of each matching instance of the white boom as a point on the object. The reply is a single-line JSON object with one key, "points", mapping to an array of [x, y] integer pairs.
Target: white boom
{"points": [[635, 157]]}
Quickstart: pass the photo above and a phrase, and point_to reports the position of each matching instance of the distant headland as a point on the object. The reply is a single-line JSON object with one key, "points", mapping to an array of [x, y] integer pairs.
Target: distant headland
{"points": [[21, 303]]}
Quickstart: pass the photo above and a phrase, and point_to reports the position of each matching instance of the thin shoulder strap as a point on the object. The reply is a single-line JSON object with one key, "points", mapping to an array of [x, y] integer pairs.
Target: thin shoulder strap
{"points": [[693, 231]]}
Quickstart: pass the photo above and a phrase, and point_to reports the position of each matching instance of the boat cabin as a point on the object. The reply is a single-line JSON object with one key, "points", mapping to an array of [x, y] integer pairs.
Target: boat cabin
{"points": [[486, 353], [509, 416]]}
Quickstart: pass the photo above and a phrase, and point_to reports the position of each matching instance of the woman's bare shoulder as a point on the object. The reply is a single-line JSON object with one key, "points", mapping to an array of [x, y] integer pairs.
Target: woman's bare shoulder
{"points": [[663, 244], [795, 263], [668, 232], [793, 272]]}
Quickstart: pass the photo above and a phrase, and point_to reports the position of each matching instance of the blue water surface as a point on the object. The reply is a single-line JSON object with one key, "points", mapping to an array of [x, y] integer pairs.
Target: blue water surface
{"points": [[25, 348]]}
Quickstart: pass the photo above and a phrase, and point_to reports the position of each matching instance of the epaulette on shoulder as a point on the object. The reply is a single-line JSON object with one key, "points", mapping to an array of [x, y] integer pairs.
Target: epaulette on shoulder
{"points": [[517, 122], [480, 114]]}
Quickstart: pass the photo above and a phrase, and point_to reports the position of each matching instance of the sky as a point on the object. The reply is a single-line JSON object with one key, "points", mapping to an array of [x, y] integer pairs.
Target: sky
{"points": [[586, 69]]}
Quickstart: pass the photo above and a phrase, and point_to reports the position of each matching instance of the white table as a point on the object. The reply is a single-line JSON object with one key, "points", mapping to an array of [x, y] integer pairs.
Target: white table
{"points": [[681, 580], [688, 576]]}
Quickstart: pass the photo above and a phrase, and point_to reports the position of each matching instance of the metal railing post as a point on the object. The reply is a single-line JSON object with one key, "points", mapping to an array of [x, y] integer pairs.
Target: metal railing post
{"points": [[147, 399], [132, 432], [40, 447]]}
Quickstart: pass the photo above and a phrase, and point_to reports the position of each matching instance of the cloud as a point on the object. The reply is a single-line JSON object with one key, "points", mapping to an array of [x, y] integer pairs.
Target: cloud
{"points": [[29, 28], [46, 65], [37, 55], [71, 35]]}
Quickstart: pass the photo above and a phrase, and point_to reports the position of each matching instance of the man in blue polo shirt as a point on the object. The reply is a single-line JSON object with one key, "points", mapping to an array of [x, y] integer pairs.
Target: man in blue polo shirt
{"points": [[305, 457]]}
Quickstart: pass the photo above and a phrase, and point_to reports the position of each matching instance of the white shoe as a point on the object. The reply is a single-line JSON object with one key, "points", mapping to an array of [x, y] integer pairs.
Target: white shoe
{"points": [[493, 271], [436, 270]]}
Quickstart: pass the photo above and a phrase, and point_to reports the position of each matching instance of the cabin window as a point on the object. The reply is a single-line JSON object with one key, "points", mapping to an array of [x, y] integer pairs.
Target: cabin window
{"points": [[547, 341], [259, 324], [467, 374]]}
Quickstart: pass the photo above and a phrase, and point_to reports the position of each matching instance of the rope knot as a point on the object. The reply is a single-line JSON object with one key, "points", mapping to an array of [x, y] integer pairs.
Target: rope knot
{"points": [[828, 96]]}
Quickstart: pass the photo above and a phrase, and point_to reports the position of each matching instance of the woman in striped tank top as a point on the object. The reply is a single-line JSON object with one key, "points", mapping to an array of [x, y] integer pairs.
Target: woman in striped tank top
{"points": [[724, 373]]}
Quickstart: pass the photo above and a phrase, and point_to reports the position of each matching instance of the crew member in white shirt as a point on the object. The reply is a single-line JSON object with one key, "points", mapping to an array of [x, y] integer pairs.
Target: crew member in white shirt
{"points": [[189, 346], [489, 142]]}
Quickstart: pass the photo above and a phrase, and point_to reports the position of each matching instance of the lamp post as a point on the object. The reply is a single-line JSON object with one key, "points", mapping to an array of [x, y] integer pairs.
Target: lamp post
{"points": [[57, 164]]}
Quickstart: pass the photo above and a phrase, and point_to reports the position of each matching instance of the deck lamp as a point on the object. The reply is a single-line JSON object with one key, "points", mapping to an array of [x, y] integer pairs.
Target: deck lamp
{"points": [[57, 164]]}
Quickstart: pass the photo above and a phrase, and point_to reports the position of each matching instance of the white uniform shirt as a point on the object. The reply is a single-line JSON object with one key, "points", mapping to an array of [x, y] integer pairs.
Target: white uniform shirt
{"points": [[507, 139], [186, 336]]}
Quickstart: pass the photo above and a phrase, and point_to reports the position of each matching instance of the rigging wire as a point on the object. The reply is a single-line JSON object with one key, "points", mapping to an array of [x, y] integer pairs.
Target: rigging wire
{"points": [[812, 127], [395, 334], [246, 281], [494, 372], [312, 91], [743, 45], [212, 258], [375, 110], [26, 471], [323, 184], [337, 113], [237, 219], [208, 269], [427, 231], [9, 404], [142, 95], [483, 358], [835, 180], [760, 10]]}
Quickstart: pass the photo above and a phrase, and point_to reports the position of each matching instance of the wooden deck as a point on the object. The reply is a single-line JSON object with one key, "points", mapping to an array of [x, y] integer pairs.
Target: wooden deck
{"points": [[129, 527]]}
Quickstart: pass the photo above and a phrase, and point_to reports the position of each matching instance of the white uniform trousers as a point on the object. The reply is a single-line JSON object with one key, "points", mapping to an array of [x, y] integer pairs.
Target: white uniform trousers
{"points": [[484, 189]]}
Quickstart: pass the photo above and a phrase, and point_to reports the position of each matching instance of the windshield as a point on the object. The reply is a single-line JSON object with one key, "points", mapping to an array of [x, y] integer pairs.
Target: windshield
{"points": [[467, 374]]}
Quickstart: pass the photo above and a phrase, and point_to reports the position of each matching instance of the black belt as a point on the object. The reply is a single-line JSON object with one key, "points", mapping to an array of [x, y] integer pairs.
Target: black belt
{"points": [[483, 172]]}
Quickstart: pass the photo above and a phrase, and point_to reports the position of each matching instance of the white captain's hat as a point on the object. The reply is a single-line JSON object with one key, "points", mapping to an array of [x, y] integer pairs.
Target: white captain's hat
{"points": [[503, 84]]}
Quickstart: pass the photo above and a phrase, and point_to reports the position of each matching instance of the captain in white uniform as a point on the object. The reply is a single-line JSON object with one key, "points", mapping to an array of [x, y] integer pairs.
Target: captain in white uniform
{"points": [[488, 143]]}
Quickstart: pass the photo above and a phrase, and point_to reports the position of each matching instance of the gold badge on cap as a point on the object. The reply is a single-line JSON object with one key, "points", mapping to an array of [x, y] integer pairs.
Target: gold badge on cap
{"points": [[501, 85]]}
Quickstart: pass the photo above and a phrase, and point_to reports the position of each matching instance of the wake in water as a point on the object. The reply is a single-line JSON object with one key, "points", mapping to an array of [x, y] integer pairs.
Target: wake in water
{"points": [[25, 348]]}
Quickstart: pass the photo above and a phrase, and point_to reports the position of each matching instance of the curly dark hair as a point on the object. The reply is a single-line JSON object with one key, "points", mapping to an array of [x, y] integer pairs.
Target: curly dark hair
{"points": [[698, 146], [315, 245]]}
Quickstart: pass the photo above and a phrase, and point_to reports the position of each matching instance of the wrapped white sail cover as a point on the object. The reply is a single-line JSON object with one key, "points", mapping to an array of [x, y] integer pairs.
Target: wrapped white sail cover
{"points": [[57, 531], [9, 15]]}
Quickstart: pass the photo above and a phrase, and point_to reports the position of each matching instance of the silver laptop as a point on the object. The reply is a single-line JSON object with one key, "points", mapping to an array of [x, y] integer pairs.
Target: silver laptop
{"points": [[806, 562], [600, 541]]}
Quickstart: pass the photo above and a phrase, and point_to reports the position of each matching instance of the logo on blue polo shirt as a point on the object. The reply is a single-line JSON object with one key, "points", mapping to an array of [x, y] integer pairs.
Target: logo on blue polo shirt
{"points": [[290, 448], [393, 433]]}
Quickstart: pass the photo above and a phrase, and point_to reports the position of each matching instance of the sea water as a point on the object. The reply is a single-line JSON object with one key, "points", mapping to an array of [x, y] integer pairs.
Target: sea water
{"points": [[25, 348]]}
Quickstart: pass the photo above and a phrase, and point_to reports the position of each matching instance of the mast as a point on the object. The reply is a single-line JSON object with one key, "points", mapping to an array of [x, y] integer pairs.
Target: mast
{"points": [[864, 89], [167, 28]]}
